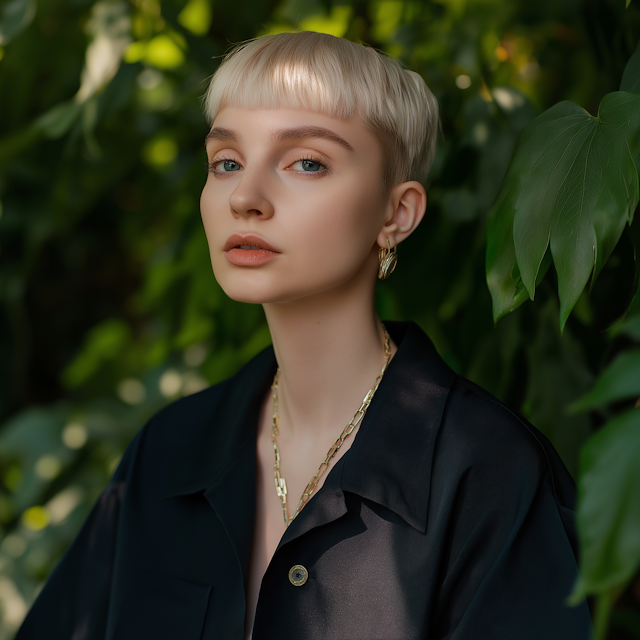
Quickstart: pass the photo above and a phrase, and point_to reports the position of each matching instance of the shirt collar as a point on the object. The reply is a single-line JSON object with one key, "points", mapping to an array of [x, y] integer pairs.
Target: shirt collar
{"points": [[389, 461]]}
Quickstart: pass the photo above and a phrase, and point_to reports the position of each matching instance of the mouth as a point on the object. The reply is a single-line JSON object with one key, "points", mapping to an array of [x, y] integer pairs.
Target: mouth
{"points": [[248, 243], [249, 251]]}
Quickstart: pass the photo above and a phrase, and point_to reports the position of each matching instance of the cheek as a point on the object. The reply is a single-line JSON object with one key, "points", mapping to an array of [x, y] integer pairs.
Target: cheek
{"points": [[340, 229], [209, 208]]}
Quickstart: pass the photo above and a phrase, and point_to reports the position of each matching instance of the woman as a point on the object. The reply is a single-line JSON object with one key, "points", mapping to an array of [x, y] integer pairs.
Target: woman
{"points": [[439, 515]]}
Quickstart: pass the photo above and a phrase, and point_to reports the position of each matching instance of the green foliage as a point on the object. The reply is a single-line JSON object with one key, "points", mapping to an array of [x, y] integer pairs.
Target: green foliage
{"points": [[108, 307], [621, 379], [609, 514], [15, 16], [570, 189]]}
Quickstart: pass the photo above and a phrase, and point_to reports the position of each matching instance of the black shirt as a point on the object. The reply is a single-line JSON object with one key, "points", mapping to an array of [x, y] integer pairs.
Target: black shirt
{"points": [[449, 517]]}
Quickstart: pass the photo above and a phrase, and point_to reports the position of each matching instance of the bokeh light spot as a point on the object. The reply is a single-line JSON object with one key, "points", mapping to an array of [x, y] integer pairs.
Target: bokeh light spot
{"points": [[480, 132], [501, 53], [170, 383], [164, 53], [135, 52], [131, 391], [334, 24], [508, 99], [74, 435], [13, 606], [48, 467], [195, 355], [62, 505], [14, 545], [463, 82], [196, 17], [160, 152], [35, 518], [193, 383], [149, 79]]}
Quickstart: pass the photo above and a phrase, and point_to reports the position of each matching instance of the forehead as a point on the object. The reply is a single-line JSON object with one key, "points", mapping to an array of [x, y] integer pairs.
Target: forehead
{"points": [[240, 124]]}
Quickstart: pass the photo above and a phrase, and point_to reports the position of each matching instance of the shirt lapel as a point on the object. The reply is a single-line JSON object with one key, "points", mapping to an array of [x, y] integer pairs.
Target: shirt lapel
{"points": [[390, 460]]}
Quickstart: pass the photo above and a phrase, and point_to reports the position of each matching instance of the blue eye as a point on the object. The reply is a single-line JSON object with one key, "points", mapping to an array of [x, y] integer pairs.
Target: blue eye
{"points": [[224, 166], [311, 165], [230, 165]]}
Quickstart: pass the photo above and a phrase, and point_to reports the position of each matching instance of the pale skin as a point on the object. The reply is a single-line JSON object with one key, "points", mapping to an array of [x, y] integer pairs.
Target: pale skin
{"points": [[286, 177]]}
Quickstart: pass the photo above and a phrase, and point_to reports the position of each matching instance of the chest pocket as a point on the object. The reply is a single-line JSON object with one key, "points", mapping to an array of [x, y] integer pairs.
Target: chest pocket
{"points": [[163, 608]]}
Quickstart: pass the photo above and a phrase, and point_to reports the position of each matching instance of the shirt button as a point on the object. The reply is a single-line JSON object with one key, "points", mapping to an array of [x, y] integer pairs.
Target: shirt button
{"points": [[298, 575]]}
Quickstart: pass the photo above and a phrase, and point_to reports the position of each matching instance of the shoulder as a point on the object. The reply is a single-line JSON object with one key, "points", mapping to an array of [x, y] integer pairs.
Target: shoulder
{"points": [[200, 428], [485, 440], [191, 412]]}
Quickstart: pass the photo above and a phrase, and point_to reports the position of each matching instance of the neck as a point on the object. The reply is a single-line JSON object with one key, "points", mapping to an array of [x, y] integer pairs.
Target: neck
{"points": [[329, 348]]}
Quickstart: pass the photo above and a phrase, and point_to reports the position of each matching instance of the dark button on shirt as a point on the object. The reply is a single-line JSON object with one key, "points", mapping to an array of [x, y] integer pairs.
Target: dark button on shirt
{"points": [[298, 575]]}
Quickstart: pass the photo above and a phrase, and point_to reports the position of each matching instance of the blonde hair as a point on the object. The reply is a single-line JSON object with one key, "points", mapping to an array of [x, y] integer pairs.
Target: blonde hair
{"points": [[321, 73]]}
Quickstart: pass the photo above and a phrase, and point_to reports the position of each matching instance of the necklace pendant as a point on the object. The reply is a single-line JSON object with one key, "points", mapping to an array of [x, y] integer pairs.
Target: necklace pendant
{"points": [[281, 489]]}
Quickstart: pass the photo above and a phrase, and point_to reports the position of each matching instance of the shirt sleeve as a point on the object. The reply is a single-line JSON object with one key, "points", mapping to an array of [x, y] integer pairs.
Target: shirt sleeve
{"points": [[74, 601], [508, 539]]}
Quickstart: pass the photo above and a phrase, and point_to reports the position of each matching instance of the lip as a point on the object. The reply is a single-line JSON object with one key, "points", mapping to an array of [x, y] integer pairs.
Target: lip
{"points": [[235, 240], [262, 254]]}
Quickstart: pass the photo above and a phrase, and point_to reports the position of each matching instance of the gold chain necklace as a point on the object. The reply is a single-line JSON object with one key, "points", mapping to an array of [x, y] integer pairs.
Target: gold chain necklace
{"points": [[281, 484]]}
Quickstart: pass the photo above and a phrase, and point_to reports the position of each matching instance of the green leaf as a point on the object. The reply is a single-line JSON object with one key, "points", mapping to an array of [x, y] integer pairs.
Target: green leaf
{"points": [[608, 514], [571, 186], [631, 75], [58, 120], [15, 16], [603, 609], [503, 275], [620, 380]]}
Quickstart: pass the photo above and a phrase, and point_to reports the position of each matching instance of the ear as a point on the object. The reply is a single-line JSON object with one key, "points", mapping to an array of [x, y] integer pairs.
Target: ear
{"points": [[406, 205]]}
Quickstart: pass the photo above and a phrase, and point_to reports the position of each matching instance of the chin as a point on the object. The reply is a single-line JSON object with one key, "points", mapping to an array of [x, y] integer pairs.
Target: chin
{"points": [[250, 297], [251, 290]]}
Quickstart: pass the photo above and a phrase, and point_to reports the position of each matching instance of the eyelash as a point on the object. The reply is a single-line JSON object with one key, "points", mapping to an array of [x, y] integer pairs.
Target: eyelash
{"points": [[209, 165], [323, 165]]}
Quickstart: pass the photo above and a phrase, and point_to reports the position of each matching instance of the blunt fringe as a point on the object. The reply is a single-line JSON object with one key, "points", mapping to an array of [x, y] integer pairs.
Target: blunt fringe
{"points": [[338, 78]]}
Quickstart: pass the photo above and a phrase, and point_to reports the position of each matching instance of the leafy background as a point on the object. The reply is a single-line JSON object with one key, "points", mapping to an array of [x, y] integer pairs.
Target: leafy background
{"points": [[109, 309]]}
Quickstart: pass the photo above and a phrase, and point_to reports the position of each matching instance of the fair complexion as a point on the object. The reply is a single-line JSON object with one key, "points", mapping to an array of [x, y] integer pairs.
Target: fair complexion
{"points": [[294, 217]]}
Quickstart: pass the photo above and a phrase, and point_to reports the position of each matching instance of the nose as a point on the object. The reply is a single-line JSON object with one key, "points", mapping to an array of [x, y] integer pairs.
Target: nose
{"points": [[249, 199]]}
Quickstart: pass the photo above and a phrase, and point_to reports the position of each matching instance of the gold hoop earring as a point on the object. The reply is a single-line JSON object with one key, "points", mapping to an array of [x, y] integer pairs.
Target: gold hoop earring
{"points": [[388, 259]]}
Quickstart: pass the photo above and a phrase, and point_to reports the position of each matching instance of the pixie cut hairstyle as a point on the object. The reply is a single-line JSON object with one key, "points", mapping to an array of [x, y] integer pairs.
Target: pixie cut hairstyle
{"points": [[338, 78]]}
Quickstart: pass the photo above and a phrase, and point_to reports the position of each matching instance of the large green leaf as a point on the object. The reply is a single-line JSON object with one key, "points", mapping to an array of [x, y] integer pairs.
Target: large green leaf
{"points": [[620, 380], [571, 187], [608, 514]]}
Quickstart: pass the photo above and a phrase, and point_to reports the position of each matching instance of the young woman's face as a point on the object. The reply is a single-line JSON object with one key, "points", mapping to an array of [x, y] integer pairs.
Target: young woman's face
{"points": [[292, 204]]}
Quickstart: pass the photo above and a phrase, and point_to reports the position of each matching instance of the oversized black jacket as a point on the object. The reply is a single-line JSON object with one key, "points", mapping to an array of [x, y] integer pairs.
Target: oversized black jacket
{"points": [[449, 518]]}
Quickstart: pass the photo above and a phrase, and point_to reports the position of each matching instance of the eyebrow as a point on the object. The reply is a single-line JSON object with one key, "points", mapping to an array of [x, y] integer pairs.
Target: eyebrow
{"points": [[300, 133], [222, 134], [293, 133]]}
